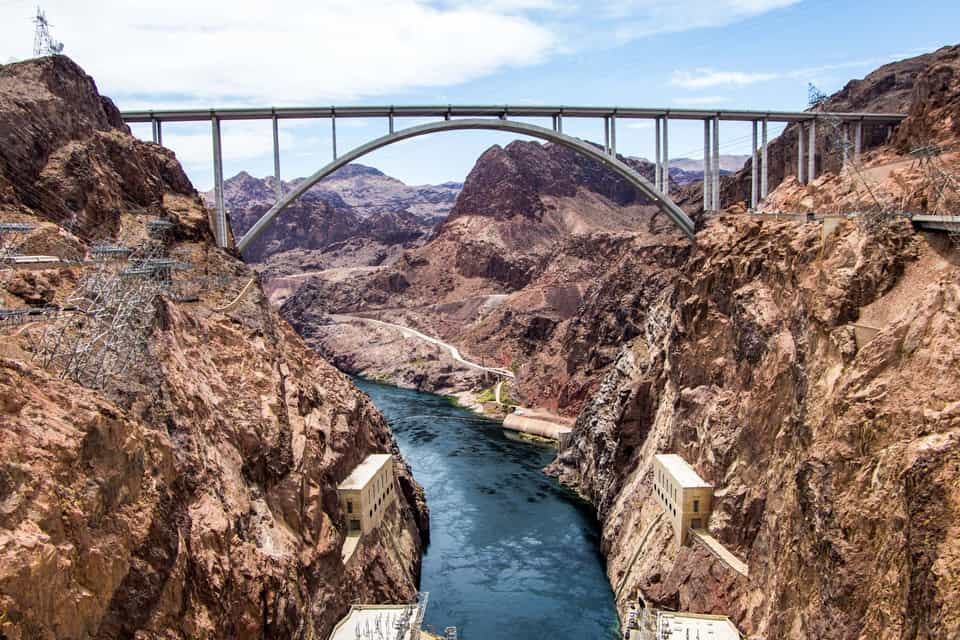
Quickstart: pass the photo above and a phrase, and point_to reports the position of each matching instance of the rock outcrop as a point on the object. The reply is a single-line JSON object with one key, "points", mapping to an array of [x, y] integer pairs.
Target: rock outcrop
{"points": [[195, 496]]}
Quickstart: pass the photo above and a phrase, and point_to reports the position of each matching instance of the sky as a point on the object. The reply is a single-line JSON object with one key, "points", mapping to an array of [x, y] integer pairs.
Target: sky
{"points": [[754, 54]]}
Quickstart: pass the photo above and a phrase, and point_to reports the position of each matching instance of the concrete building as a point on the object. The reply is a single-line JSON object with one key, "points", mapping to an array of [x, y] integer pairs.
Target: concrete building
{"points": [[682, 493], [367, 492], [379, 622]]}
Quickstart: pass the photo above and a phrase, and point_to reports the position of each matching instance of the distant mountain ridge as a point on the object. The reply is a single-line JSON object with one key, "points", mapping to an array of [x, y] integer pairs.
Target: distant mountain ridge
{"points": [[358, 215]]}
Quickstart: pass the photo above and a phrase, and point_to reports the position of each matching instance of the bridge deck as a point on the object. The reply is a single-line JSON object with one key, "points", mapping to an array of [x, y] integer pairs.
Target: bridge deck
{"points": [[519, 111]]}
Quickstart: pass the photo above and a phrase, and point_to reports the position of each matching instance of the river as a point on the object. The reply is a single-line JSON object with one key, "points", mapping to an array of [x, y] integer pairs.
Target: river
{"points": [[512, 554]]}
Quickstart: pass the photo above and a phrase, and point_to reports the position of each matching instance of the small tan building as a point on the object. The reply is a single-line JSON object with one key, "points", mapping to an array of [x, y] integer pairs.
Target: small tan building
{"points": [[682, 493], [367, 492]]}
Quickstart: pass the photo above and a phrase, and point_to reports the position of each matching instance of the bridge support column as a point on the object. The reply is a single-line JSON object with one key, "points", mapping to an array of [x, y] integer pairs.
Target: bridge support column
{"points": [[613, 135], [707, 171], [220, 216], [812, 152], [606, 134], [333, 133], [276, 157], [754, 169], [157, 131], [657, 167], [858, 140], [846, 144], [391, 123], [764, 175], [801, 167], [559, 123], [716, 163], [665, 165]]}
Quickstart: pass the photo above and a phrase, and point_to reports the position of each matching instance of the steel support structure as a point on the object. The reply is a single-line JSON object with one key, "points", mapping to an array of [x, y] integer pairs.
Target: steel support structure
{"points": [[220, 226], [765, 174], [754, 169], [716, 163], [665, 164], [812, 152], [707, 171], [276, 158]]}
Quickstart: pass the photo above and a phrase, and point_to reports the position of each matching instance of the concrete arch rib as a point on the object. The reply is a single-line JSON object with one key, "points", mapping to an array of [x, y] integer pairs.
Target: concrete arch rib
{"points": [[675, 213]]}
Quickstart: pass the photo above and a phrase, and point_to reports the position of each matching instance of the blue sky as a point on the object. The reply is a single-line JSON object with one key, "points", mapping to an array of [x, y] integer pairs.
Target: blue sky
{"points": [[757, 54]]}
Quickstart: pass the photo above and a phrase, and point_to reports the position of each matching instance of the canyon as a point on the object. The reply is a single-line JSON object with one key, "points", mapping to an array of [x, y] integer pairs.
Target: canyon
{"points": [[806, 368]]}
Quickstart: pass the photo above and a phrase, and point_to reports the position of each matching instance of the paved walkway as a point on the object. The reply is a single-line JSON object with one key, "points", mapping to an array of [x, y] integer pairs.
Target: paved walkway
{"points": [[454, 352], [716, 548], [230, 306]]}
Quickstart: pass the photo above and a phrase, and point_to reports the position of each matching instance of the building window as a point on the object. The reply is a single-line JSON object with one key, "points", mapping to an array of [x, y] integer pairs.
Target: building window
{"points": [[349, 506], [696, 506]]}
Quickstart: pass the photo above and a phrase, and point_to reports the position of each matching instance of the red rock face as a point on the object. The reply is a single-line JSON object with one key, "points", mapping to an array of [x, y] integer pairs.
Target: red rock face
{"points": [[196, 495]]}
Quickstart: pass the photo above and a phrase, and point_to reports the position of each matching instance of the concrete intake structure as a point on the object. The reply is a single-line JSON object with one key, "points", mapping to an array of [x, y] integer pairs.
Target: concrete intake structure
{"points": [[682, 493], [367, 492]]}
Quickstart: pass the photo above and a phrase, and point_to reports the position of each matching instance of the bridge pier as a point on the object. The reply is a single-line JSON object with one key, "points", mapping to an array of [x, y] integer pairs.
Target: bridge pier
{"points": [[276, 157], [754, 169], [157, 131], [220, 216], [801, 167], [606, 134], [763, 158], [613, 135], [707, 171], [858, 140], [333, 133], [812, 152], [665, 165], [657, 167], [716, 163]]}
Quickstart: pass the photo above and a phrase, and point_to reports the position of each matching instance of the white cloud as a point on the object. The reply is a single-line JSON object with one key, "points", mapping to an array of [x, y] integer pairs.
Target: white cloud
{"points": [[700, 101], [252, 52], [181, 52], [705, 78]]}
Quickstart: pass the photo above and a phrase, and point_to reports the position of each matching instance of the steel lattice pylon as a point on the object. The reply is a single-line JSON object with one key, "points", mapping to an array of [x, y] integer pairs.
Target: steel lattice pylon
{"points": [[116, 304]]}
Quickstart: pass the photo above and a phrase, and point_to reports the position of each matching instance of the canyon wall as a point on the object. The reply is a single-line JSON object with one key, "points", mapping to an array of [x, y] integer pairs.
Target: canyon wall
{"points": [[195, 496]]}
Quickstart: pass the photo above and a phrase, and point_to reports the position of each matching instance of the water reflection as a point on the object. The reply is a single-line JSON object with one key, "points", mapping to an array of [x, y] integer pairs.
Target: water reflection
{"points": [[512, 554]]}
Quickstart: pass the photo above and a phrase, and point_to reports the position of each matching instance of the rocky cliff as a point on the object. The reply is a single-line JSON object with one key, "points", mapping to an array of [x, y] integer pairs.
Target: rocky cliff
{"points": [[194, 496], [808, 373]]}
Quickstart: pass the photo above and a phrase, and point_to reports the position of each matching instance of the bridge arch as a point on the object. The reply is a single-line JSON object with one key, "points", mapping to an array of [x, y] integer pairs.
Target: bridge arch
{"points": [[667, 206]]}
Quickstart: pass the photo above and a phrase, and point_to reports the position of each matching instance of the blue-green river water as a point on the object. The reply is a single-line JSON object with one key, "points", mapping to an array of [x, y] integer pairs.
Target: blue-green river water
{"points": [[512, 554]]}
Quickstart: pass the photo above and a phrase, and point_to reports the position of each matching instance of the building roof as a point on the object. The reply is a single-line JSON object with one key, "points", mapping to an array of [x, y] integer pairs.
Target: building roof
{"points": [[682, 472], [695, 626], [373, 618], [365, 471]]}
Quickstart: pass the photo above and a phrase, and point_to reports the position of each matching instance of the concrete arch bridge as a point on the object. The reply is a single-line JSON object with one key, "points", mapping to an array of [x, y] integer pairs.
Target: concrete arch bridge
{"points": [[498, 118]]}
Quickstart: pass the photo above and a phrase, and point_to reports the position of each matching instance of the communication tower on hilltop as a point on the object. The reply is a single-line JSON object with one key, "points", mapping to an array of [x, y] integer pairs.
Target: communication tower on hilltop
{"points": [[43, 42]]}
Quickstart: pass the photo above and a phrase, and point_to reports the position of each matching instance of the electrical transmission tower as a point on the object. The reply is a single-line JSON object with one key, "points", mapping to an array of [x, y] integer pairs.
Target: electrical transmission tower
{"points": [[43, 42], [116, 305]]}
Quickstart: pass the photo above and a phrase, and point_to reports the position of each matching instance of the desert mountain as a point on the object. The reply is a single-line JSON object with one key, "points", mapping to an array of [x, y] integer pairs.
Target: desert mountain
{"points": [[357, 216]]}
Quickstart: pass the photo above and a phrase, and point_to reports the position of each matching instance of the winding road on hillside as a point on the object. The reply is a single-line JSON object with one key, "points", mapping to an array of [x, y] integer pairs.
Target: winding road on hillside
{"points": [[454, 352]]}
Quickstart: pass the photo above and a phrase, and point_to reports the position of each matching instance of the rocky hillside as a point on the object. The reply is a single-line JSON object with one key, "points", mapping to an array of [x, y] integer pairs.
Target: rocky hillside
{"points": [[835, 460], [356, 217], [792, 366], [194, 496]]}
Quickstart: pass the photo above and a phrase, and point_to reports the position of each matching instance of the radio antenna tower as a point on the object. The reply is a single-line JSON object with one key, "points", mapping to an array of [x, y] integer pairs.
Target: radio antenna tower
{"points": [[43, 42]]}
